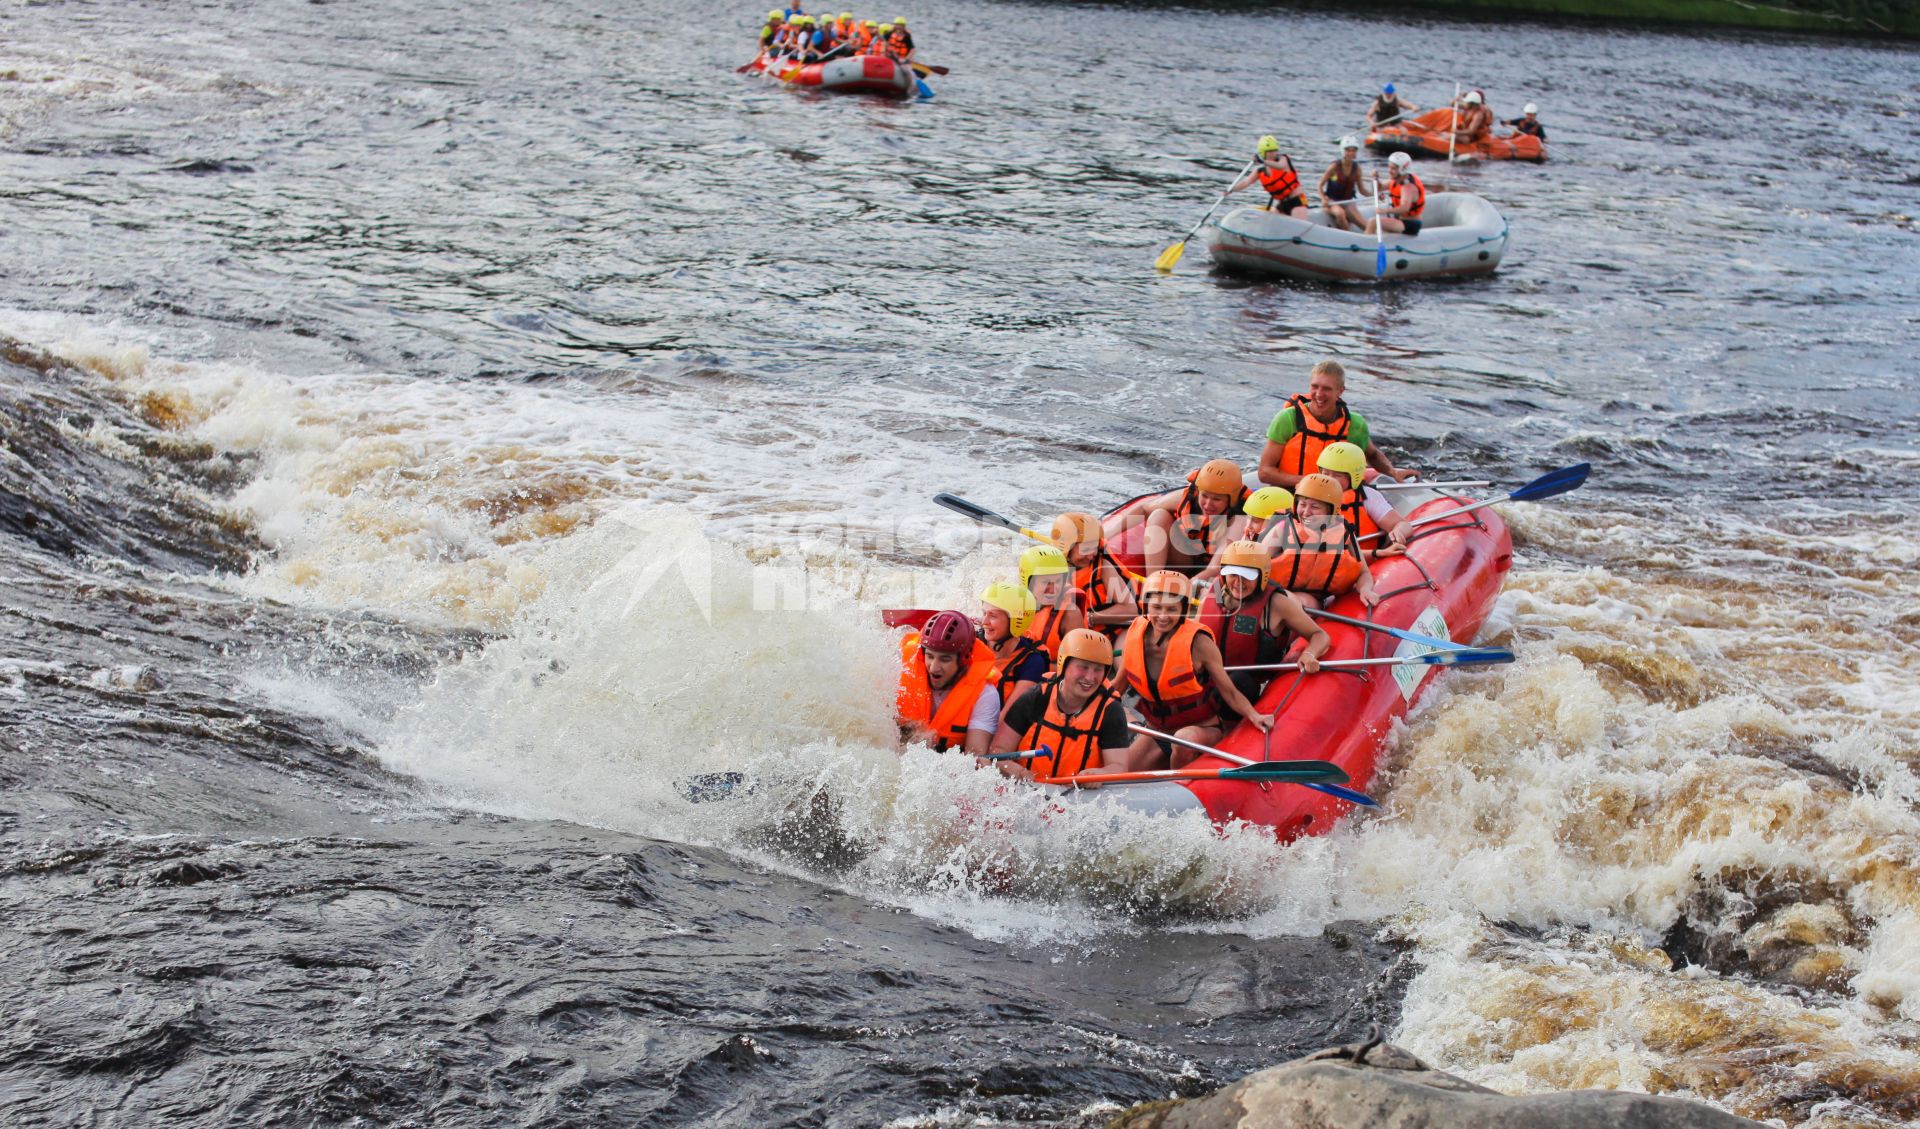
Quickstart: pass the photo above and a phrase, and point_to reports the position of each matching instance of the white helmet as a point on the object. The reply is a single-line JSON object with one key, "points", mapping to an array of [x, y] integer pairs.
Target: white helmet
{"points": [[1531, 109], [1472, 98], [1400, 160], [1349, 142]]}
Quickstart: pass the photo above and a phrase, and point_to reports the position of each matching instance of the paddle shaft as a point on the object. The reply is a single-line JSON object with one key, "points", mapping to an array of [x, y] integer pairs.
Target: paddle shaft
{"points": [[1333, 790], [1395, 632], [1344, 664], [1453, 131], [985, 516], [1216, 204], [1419, 485], [1548, 485]]}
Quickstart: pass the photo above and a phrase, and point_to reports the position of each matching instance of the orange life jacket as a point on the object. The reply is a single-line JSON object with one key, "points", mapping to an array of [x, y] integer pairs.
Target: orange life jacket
{"points": [[1207, 532], [1282, 183], [1316, 567], [1091, 583], [1360, 523], [1242, 633], [1075, 740], [1181, 696], [1301, 455], [1419, 196], [915, 701]]}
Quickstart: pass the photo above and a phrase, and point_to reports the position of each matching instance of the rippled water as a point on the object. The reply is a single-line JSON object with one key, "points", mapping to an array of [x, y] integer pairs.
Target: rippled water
{"points": [[362, 365]]}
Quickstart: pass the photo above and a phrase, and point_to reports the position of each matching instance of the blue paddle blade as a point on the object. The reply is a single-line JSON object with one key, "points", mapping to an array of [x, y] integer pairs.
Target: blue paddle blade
{"points": [[1465, 657], [1552, 483], [1380, 261], [920, 84], [1346, 794]]}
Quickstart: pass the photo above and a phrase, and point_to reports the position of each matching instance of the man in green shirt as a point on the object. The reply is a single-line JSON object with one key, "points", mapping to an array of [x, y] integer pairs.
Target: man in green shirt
{"points": [[1310, 422]]}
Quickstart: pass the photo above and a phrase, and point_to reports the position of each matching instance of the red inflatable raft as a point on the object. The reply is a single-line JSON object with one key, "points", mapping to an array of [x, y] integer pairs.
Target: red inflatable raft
{"points": [[1444, 586], [862, 74], [1425, 135]]}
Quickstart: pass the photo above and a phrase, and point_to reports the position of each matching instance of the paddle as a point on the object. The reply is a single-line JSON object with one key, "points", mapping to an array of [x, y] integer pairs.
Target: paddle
{"points": [[920, 86], [709, 787], [1334, 790], [1464, 657], [1395, 632], [1170, 257], [1379, 236], [1383, 121], [1453, 130], [1289, 772], [746, 66], [1419, 484], [929, 68], [1548, 485], [985, 516]]}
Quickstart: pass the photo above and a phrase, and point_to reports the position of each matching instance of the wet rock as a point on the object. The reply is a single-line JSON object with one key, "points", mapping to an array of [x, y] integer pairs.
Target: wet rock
{"points": [[1384, 1087]]}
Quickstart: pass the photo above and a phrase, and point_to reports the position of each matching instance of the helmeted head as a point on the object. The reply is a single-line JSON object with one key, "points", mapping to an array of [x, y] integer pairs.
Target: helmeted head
{"points": [[846, 17], [1044, 571], [1243, 568], [886, 29], [1473, 98], [1263, 503], [1079, 536], [1268, 147], [869, 24], [1006, 610], [1219, 483], [1399, 163], [1349, 146], [1387, 90], [946, 643], [1165, 597], [1530, 109], [899, 21], [776, 17], [1086, 659], [1317, 495], [1344, 461]]}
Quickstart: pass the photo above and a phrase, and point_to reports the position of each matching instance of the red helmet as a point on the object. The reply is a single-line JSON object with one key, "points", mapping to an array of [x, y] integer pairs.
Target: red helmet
{"points": [[949, 633]]}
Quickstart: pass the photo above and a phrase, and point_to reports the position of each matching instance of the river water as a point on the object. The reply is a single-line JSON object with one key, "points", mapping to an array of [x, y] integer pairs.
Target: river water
{"points": [[435, 428]]}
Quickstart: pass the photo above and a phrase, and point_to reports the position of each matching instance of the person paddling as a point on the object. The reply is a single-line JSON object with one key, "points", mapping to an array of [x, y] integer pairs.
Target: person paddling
{"points": [[1006, 611], [1475, 120], [1173, 664], [946, 696], [1073, 714], [1315, 556], [902, 39], [1105, 589], [1406, 198], [1044, 571], [776, 26], [1254, 622], [1386, 107], [1277, 175], [1314, 419], [1342, 185], [1529, 123], [1372, 519], [1186, 524]]}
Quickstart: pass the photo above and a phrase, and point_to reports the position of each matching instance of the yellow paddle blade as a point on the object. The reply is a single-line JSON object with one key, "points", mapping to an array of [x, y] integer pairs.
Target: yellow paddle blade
{"points": [[1170, 256]]}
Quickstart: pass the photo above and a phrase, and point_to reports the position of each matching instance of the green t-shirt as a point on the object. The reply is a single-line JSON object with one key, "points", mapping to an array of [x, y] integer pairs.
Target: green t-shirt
{"points": [[1281, 429]]}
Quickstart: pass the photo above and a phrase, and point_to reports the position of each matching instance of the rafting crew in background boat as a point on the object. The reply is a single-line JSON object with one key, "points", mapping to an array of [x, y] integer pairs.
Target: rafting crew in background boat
{"points": [[1529, 123], [1006, 611], [1277, 175], [947, 697], [1073, 712], [1315, 556], [1308, 422], [1044, 571], [1386, 107], [1173, 664], [1255, 622], [1105, 590], [1187, 524], [1342, 185], [1406, 199], [1475, 120], [1366, 510]]}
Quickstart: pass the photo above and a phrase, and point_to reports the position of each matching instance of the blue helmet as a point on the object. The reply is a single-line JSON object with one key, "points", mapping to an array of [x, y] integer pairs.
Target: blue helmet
{"points": [[1387, 89]]}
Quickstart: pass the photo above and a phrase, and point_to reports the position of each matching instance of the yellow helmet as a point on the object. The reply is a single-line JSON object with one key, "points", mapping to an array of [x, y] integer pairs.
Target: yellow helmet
{"points": [[776, 16], [886, 27], [1221, 476], [1074, 529], [899, 21], [1268, 144], [1321, 488], [868, 23], [1088, 645], [1167, 583], [1247, 554], [845, 16], [1267, 501], [1015, 600], [1344, 459], [1042, 560]]}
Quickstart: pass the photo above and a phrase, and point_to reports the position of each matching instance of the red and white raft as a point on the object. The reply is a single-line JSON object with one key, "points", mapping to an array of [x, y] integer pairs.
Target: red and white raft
{"points": [[1444, 587], [862, 74]]}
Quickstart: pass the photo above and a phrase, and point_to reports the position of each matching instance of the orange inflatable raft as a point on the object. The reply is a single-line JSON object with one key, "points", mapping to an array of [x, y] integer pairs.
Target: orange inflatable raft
{"points": [[1426, 134]]}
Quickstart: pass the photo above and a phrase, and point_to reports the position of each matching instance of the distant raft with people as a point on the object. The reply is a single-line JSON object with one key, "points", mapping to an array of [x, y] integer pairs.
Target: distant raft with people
{"points": [[861, 74], [1429, 134], [1462, 234]]}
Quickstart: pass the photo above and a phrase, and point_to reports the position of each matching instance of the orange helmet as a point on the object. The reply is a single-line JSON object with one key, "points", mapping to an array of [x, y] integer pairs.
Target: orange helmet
{"points": [[1321, 488], [1246, 554], [1221, 476], [1086, 644], [1074, 529], [1167, 583]]}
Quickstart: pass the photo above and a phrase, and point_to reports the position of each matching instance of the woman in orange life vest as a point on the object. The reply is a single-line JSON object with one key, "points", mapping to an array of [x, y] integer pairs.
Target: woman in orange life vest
{"points": [[1311, 421], [1406, 198], [1379, 529], [1255, 513], [863, 39], [1006, 611], [1277, 175], [1044, 571], [1173, 663], [946, 695], [1254, 622], [1105, 590], [1475, 120], [1186, 524], [1073, 713], [1315, 558]]}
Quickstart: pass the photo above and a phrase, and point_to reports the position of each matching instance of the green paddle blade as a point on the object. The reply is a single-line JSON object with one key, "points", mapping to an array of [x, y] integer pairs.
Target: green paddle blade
{"points": [[1293, 771]]}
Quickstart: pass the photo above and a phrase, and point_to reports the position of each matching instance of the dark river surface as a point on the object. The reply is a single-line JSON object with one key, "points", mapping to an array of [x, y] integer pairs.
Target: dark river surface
{"points": [[432, 429]]}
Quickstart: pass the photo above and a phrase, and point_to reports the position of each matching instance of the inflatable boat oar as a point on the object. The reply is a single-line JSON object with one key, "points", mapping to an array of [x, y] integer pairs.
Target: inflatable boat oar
{"points": [[985, 516], [1170, 257], [1396, 632], [1464, 657], [929, 68], [1334, 790], [1453, 128], [1376, 125], [746, 66], [1419, 484], [1548, 485], [1290, 772], [1379, 236]]}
